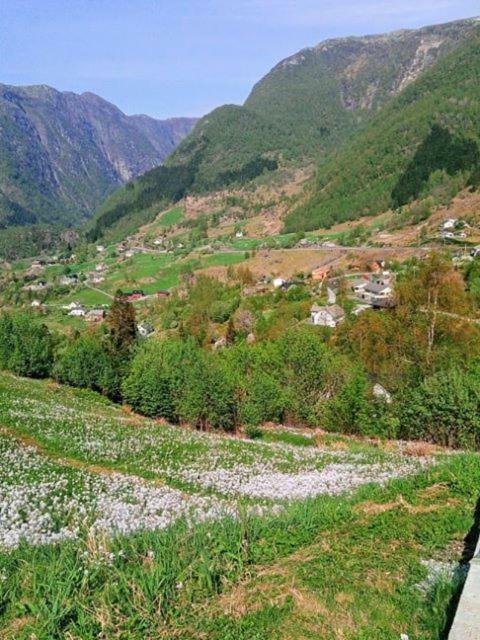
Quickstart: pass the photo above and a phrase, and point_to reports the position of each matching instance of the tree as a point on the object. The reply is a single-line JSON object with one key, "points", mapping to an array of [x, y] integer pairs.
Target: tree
{"points": [[26, 348], [87, 362], [121, 323], [444, 408]]}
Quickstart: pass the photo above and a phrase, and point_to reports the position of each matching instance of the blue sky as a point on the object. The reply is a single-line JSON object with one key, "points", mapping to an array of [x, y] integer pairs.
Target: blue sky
{"points": [[184, 57]]}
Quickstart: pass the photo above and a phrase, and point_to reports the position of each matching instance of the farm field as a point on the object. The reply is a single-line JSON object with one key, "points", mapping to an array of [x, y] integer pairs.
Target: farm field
{"points": [[115, 526]]}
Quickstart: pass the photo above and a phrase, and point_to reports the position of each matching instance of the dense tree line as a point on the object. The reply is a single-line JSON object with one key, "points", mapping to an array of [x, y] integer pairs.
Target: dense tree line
{"points": [[427, 360]]}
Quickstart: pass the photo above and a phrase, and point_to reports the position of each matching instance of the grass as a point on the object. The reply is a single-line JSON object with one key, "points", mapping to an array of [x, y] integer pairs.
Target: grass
{"points": [[171, 218], [223, 259], [349, 566]]}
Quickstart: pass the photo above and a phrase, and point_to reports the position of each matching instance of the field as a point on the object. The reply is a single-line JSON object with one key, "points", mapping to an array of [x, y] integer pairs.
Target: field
{"points": [[115, 526]]}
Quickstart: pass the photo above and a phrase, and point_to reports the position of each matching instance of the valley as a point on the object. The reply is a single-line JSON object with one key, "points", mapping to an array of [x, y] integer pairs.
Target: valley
{"points": [[240, 354]]}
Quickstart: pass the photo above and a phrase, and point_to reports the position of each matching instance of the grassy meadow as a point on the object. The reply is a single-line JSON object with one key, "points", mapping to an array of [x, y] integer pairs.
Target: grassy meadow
{"points": [[115, 526]]}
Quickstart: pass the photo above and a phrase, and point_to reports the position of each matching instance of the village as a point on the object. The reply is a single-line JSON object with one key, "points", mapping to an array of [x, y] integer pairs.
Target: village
{"points": [[82, 290]]}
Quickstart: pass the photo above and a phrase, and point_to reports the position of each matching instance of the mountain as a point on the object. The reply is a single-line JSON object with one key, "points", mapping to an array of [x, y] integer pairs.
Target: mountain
{"points": [[308, 106], [61, 153], [423, 144]]}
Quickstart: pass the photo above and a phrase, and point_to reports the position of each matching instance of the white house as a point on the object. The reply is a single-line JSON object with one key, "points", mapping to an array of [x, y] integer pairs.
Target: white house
{"points": [[100, 248], [239, 234], [96, 279], [449, 223], [36, 303], [329, 316], [77, 312], [278, 282], [71, 305]]}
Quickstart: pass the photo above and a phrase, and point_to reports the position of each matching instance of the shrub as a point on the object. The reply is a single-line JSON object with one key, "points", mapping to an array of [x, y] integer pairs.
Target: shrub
{"points": [[87, 362], [444, 408], [26, 348]]}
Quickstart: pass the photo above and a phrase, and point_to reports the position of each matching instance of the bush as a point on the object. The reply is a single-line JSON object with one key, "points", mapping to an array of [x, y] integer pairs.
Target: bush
{"points": [[156, 378], [444, 408], [26, 348], [87, 362]]}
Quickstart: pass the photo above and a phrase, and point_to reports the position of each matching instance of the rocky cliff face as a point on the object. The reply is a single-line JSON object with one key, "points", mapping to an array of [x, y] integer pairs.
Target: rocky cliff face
{"points": [[62, 153]]}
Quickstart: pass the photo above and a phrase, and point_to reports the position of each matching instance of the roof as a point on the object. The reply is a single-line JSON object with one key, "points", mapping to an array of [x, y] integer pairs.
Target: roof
{"points": [[334, 310], [373, 287]]}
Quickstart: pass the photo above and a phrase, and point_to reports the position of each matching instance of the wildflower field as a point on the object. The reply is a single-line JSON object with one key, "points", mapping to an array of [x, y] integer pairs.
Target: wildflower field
{"points": [[115, 526]]}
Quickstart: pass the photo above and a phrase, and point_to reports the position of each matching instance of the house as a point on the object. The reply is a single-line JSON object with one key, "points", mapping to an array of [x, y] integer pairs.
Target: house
{"points": [[71, 305], [321, 273], [37, 286], [100, 267], [449, 223], [69, 279], [136, 294], [383, 278], [95, 315], [358, 286], [162, 293], [35, 304], [278, 282], [77, 312], [329, 316], [100, 248], [447, 235], [96, 279], [239, 234], [377, 290], [145, 329]]}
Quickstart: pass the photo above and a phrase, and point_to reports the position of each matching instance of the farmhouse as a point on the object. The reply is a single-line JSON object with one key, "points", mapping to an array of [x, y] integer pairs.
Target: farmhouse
{"points": [[136, 294], [95, 315], [163, 293], [37, 286], [77, 312], [329, 316], [358, 286], [69, 279]]}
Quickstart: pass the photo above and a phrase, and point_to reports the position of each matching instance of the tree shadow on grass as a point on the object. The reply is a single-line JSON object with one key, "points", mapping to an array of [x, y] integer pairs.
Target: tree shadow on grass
{"points": [[439, 151]]}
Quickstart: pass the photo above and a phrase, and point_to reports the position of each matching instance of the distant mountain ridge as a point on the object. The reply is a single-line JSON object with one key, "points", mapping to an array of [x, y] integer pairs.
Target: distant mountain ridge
{"points": [[62, 153], [305, 109]]}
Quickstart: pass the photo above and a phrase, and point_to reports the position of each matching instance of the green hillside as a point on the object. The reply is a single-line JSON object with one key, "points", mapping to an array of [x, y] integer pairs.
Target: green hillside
{"points": [[306, 107], [425, 143]]}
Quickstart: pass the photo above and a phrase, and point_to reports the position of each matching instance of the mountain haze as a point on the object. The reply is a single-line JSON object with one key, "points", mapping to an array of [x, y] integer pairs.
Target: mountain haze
{"points": [[62, 153], [303, 110]]}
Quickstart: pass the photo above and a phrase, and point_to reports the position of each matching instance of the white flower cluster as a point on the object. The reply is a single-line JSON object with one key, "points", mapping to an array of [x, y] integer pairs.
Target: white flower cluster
{"points": [[42, 504]]}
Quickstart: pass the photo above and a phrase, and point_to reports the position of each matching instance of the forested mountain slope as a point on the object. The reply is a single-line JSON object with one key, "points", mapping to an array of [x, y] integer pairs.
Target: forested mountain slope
{"points": [[61, 153], [424, 143], [305, 108]]}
